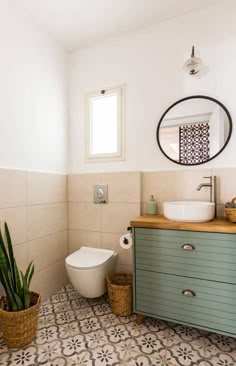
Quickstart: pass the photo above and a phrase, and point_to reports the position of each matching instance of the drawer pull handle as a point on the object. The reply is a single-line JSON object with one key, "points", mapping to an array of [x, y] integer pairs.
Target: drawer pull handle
{"points": [[189, 293], [188, 247]]}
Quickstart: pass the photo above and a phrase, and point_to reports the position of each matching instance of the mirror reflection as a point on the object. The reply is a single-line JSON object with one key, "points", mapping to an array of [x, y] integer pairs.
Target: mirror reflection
{"points": [[194, 130]]}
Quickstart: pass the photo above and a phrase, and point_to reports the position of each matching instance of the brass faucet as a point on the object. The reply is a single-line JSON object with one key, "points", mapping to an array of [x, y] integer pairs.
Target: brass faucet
{"points": [[212, 185]]}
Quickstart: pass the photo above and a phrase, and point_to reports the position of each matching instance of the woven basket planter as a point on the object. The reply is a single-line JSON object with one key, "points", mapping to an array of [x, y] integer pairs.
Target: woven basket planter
{"points": [[231, 212], [120, 292], [20, 327]]}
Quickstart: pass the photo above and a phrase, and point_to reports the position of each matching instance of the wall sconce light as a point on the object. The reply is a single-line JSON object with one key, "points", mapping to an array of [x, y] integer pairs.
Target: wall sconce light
{"points": [[193, 65]]}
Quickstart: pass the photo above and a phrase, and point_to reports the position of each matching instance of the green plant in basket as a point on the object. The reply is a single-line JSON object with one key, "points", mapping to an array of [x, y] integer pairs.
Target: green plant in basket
{"points": [[15, 283]]}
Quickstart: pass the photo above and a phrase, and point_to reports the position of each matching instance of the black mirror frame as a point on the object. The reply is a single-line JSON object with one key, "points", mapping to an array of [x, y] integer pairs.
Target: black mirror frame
{"points": [[195, 97]]}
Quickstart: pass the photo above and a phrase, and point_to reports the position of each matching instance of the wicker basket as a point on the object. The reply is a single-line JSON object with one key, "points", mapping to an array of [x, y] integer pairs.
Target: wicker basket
{"points": [[20, 327], [231, 212], [120, 291]]}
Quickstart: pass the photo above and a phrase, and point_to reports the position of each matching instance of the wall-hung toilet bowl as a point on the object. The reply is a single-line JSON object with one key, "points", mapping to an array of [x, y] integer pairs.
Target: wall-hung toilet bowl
{"points": [[87, 269]]}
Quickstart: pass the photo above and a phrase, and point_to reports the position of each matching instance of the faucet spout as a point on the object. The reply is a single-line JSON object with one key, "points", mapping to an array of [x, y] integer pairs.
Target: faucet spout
{"points": [[203, 185], [212, 186]]}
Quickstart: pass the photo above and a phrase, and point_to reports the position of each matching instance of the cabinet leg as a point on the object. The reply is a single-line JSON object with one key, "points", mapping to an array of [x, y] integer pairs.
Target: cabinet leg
{"points": [[139, 318]]}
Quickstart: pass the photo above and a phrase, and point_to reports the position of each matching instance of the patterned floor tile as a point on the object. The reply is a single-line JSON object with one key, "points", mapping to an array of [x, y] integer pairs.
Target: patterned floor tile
{"points": [[82, 359], [4, 358], [186, 334], [108, 320], [48, 352], [78, 303], [68, 330], [225, 344], [74, 331], [46, 321], [83, 313], [97, 339], [74, 345], [62, 306], [102, 309], [222, 360], [184, 354], [3, 347], [105, 356], [24, 357], [150, 344], [89, 325], [47, 335]]}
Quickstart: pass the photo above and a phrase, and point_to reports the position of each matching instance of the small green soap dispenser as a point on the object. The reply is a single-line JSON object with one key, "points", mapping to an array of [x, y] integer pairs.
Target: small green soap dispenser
{"points": [[152, 206]]}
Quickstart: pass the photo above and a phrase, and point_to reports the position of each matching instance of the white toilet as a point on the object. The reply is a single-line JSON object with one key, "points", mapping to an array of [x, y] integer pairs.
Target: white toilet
{"points": [[87, 269]]}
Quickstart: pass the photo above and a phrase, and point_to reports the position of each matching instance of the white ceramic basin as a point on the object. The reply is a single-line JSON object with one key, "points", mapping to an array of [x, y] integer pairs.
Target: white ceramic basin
{"points": [[189, 211]]}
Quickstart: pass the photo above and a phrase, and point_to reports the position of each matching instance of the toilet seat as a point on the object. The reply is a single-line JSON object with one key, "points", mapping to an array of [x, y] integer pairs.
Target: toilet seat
{"points": [[87, 258]]}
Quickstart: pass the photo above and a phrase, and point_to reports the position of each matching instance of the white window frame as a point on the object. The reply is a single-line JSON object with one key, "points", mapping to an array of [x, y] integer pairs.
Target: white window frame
{"points": [[120, 154]]}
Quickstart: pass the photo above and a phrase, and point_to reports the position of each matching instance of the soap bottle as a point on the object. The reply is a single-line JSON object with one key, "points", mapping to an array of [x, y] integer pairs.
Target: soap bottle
{"points": [[152, 206]]}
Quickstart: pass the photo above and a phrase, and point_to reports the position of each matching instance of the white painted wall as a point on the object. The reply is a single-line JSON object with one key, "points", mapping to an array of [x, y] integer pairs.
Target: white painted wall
{"points": [[150, 63], [33, 111]]}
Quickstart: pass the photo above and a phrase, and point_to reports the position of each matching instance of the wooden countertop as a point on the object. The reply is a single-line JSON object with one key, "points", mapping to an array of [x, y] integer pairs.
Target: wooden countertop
{"points": [[220, 225]]}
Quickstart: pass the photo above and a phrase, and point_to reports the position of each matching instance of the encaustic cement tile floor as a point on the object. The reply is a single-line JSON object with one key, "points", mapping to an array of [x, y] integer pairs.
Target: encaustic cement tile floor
{"points": [[74, 331]]}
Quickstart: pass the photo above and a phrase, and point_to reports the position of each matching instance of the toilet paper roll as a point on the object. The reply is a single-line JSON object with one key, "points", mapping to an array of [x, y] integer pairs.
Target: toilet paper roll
{"points": [[126, 241]]}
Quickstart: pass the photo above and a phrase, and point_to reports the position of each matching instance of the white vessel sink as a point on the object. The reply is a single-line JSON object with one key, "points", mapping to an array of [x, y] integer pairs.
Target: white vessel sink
{"points": [[189, 211]]}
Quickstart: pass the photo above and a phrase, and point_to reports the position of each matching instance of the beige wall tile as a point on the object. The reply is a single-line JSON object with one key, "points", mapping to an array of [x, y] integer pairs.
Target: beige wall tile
{"points": [[191, 180], [124, 268], [116, 217], [80, 187], [175, 185], [220, 210], [165, 186], [46, 219], [78, 238], [125, 257], [111, 241], [123, 187], [48, 250], [46, 188], [50, 279], [16, 219], [226, 184], [21, 256], [12, 188], [84, 216]]}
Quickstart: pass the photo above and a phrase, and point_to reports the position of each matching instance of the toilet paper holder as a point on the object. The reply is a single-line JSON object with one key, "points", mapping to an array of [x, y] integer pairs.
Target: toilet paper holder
{"points": [[126, 239]]}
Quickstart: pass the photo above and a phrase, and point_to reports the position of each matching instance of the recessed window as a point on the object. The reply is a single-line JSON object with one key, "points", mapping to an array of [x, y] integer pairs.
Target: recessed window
{"points": [[105, 125]]}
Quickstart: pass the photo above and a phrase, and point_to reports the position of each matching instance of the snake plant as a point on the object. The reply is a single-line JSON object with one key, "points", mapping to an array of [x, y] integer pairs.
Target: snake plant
{"points": [[15, 283]]}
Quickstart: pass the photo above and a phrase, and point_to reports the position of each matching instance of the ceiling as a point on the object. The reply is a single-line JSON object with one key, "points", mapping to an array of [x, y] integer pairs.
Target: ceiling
{"points": [[79, 23]]}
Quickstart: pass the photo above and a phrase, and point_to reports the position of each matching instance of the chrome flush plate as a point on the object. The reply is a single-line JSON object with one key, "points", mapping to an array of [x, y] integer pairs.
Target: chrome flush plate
{"points": [[100, 193]]}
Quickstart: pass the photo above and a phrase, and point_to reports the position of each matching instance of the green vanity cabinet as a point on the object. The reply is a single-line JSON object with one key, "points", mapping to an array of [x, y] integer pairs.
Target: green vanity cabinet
{"points": [[188, 277]]}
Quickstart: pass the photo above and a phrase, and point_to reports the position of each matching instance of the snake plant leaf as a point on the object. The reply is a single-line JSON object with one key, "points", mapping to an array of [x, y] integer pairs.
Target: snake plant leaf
{"points": [[29, 278], [10, 299], [27, 273], [14, 282], [3, 265], [11, 255], [3, 249], [24, 289], [27, 300], [18, 281], [16, 297], [2, 280]]}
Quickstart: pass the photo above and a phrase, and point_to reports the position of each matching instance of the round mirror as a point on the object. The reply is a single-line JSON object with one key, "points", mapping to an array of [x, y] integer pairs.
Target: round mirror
{"points": [[194, 130]]}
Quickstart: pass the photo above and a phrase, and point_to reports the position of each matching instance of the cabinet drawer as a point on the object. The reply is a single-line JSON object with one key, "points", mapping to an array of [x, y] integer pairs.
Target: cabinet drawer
{"points": [[161, 295], [186, 253]]}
